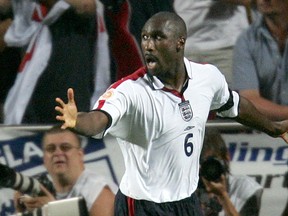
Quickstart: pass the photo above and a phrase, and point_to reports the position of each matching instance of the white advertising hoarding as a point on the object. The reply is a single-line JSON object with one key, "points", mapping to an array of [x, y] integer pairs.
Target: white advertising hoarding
{"points": [[253, 154]]}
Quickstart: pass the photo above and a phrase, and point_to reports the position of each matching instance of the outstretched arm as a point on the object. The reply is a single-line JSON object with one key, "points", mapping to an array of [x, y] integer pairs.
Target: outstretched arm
{"points": [[86, 123], [250, 116], [272, 110]]}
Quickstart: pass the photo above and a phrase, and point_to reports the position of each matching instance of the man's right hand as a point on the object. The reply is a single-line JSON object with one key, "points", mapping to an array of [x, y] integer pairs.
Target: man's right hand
{"points": [[67, 110], [28, 203]]}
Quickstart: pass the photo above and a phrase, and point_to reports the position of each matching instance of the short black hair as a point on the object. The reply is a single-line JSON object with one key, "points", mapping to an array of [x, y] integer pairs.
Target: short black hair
{"points": [[179, 25]]}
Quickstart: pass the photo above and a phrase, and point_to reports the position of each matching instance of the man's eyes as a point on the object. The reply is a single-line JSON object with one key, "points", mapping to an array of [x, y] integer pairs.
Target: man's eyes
{"points": [[156, 37], [65, 147]]}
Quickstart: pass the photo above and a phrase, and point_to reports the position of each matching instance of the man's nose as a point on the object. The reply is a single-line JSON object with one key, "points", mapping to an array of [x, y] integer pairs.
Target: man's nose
{"points": [[149, 44]]}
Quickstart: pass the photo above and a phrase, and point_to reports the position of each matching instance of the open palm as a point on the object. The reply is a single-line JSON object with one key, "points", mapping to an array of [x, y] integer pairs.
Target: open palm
{"points": [[67, 110]]}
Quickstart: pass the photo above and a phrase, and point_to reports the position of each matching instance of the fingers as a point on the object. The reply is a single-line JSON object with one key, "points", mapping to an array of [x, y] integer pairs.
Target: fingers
{"points": [[207, 185], [32, 203], [29, 202], [205, 182], [17, 194], [223, 179], [67, 111], [70, 95], [46, 192], [61, 106], [61, 118], [19, 206], [59, 109], [60, 101]]}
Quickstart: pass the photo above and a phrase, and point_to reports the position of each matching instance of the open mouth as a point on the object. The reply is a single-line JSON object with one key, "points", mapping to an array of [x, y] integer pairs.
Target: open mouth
{"points": [[151, 61]]}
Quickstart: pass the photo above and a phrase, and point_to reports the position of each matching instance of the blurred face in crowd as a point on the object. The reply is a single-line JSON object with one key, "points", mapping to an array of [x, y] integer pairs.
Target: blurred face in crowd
{"points": [[272, 7], [63, 156]]}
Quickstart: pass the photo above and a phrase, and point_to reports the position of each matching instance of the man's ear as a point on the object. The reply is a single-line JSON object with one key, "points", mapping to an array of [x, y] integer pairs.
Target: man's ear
{"points": [[181, 43], [81, 152]]}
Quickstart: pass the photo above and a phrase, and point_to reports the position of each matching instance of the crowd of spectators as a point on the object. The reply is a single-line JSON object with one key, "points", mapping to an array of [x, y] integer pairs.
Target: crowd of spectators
{"points": [[102, 46], [59, 40], [48, 46]]}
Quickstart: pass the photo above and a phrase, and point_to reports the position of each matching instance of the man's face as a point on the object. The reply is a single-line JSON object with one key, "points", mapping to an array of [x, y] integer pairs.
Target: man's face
{"points": [[159, 47], [62, 154]]}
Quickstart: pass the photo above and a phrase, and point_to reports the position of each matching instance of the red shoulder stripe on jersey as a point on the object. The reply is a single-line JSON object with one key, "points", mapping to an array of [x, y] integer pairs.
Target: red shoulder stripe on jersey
{"points": [[134, 76]]}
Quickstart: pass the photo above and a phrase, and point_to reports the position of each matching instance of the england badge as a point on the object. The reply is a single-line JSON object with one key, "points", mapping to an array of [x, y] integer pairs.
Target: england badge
{"points": [[185, 110]]}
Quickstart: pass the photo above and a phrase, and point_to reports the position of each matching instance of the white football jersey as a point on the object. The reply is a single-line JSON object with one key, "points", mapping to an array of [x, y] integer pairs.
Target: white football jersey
{"points": [[160, 131]]}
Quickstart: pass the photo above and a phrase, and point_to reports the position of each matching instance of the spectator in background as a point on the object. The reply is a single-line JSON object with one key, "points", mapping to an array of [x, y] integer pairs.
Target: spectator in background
{"points": [[261, 60], [9, 56], [60, 36], [124, 49], [113, 37], [229, 194], [213, 27], [63, 159], [102, 60], [88, 59]]}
